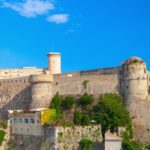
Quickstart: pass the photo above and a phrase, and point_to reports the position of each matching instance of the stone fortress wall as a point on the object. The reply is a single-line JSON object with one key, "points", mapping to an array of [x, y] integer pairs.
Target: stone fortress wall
{"points": [[15, 93], [98, 82], [149, 78], [22, 91], [15, 87], [16, 73]]}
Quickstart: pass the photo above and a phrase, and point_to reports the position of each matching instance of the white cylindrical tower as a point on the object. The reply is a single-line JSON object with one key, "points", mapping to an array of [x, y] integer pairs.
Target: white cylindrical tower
{"points": [[135, 82], [54, 63]]}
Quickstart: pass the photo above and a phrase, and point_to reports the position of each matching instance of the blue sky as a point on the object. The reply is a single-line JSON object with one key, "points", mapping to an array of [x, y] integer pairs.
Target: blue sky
{"points": [[90, 34]]}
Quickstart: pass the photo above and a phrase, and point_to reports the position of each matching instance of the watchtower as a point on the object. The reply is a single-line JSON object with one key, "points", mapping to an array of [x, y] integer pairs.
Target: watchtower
{"points": [[135, 81], [41, 90], [54, 63]]}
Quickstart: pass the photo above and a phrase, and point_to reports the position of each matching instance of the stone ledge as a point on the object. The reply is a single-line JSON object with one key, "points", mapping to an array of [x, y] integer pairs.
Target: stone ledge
{"points": [[44, 78]]}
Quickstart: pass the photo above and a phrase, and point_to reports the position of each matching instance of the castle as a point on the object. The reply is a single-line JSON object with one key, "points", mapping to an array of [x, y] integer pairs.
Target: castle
{"points": [[32, 88]]}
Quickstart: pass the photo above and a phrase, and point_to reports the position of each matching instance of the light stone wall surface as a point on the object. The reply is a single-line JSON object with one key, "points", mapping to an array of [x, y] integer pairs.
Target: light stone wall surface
{"points": [[54, 63], [96, 85], [15, 93], [68, 138], [149, 78], [22, 128], [58, 138], [41, 90], [113, 145], [16, 73]]}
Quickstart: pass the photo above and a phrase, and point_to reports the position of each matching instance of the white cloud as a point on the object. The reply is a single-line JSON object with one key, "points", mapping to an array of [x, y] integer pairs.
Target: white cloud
{"points": [[58, 18], [30, 8]]}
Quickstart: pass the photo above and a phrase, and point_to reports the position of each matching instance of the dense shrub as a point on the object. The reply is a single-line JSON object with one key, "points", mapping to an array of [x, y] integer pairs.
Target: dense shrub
{"points": [[85, 120], [147, 147], [3, 124], [68, 102], [85, 100], [81, 119], [86, 144], [129, 144], [2, 134], [85, 82], [77, 117], [56, 102], [48, 116], [111, 113]]}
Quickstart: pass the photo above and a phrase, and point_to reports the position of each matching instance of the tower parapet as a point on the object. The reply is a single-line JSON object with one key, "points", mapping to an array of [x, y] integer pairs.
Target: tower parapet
{"points": [[41, 90], [135, 81]]}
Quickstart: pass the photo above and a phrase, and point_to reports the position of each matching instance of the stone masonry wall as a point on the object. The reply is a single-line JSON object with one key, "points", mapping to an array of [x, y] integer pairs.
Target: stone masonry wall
{"points": [[58, 138], [70, 84], [15, 93], [69, 137], [17, 73], [149, 78]]}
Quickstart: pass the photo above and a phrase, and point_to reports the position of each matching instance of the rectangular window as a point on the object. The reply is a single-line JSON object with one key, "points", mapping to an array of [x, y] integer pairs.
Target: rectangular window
{"points": [[15, 121], [26, 121], [32, 121], [20, 120]]}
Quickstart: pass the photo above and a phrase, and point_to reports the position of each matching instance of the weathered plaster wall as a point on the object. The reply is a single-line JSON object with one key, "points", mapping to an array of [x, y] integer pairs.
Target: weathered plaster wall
{"points": [[20, 127], [15, 93]]}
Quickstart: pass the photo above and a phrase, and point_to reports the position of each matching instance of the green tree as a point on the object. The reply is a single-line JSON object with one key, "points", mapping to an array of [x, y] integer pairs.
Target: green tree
{"points": [[86, 144], [111, 113], [68, 102], [56, 102], [85, 120], [77, 117], [85, 100], [3, 124]]}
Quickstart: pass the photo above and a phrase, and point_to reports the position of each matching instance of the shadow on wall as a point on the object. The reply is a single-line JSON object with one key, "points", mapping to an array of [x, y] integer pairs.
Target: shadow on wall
{"points": [[98, 146], [11, 99]]}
